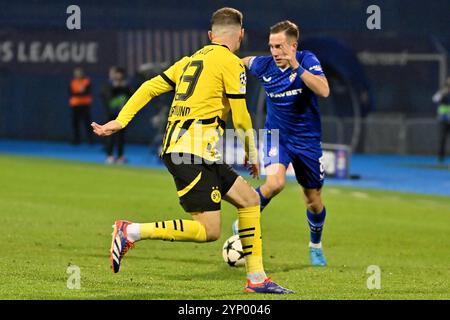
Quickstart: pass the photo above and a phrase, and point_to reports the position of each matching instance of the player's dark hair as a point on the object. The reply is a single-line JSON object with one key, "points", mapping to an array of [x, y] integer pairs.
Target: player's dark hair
{"points": [[288, 27], [227, 16]]}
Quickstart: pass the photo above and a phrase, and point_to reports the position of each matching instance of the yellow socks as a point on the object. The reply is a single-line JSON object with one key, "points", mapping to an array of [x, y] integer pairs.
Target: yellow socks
{"points": [[173, 230], [194, 231], [250, 235]]}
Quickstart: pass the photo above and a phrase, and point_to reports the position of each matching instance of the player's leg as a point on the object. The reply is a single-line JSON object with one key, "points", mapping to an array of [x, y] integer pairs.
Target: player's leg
{"points": [[198, 188], [276, 161], [246, 200], [316, 213], [310, 174], [194, 184], [204, 227], [274, 184]]}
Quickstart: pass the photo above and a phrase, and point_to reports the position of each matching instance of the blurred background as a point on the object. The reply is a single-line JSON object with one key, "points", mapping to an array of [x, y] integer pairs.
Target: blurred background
{"points": [[382, 80]]}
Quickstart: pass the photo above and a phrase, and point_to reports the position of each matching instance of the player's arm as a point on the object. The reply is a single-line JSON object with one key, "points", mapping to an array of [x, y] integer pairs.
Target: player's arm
{"points": [[147, 91], [246, 61], [318, 83], [242, 122], [235, 87]]}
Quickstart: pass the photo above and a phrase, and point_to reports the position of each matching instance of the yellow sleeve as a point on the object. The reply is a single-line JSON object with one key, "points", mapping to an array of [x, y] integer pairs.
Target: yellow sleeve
{"points": [[234, 79], [243, 124], [154, 87], [235, 82]]}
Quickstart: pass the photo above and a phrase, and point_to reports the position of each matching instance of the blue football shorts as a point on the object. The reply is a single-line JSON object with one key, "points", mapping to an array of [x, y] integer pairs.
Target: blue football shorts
{"points": [[307, 163]]}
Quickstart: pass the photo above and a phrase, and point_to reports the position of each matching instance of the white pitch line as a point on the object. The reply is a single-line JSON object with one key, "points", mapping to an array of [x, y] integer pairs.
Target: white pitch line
{"points": [[333, 191], [360, 195]]}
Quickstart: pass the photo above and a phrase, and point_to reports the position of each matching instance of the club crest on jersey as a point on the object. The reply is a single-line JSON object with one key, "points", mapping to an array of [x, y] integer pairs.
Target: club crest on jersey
{"points": [[273, 152], [292, 76], [215, 195]]}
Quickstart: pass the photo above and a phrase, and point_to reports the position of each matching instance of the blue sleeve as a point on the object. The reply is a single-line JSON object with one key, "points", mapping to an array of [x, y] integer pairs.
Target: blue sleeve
{"points": [[312, 64], [258, 65]]}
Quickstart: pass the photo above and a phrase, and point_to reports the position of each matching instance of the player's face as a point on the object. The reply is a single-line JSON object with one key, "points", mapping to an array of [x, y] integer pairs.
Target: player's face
{"points": [[279, 44]]}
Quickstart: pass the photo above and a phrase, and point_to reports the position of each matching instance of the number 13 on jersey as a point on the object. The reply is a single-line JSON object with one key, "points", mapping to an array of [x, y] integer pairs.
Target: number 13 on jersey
{"points": [[190, 80]]}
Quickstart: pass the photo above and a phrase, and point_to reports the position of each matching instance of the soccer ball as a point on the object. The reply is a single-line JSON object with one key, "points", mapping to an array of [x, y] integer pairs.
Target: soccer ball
{"points": [[232, 252]]}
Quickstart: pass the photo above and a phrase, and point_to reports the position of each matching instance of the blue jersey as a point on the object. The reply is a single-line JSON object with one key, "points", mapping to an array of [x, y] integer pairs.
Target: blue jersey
{"points": [[291, 105]]}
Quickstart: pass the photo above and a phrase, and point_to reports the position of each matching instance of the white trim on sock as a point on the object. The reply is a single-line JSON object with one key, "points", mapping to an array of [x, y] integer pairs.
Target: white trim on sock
{"points": [[134, 232], [315, 245], [256, 277]]}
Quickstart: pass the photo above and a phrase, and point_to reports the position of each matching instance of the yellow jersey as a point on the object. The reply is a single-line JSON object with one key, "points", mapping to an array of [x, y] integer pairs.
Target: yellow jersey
{"points": [[206, 85]]}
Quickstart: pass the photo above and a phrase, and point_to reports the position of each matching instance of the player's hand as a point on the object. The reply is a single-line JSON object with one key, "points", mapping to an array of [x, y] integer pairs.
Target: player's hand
{"points": [[106, 129], [253, 168], [290, 55]]}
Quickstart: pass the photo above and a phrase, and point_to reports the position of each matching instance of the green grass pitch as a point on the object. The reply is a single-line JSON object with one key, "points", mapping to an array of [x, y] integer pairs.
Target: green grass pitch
{"points": [[59, 213]]}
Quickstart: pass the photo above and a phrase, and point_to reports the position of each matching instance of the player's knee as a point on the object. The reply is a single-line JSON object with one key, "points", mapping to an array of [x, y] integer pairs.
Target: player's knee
{"points": [[275, 186], [211, 224], [313, 200], [253, 199], [212, 234], [314, 204]]}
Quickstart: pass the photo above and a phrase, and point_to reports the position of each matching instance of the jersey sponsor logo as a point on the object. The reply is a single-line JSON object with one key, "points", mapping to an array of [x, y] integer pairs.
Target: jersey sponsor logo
{"points": [[267, 79], [284, 94], [242, 89], [317, 67]]}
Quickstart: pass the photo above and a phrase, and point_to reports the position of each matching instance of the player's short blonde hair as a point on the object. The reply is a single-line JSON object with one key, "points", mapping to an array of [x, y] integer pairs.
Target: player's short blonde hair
{"points": [[288, 27], [226, 17]]}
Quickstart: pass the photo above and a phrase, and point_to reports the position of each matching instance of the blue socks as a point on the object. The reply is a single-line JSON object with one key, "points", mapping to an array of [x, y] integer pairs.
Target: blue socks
{"points": [[315, 222], [263, 200]]}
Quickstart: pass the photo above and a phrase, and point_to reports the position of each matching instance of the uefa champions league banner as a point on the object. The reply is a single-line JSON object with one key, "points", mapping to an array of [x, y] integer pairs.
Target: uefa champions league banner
{"points": [[57, 51]]}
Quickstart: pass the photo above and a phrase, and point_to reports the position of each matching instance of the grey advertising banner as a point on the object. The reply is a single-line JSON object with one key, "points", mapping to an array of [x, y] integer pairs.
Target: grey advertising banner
{"points": [[57, 51]]}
